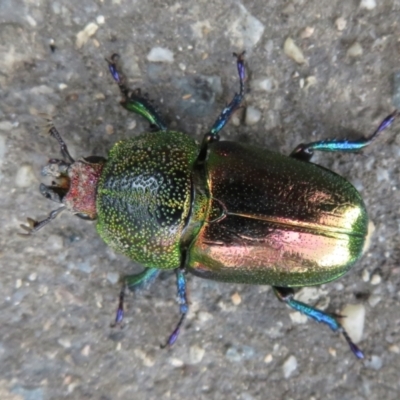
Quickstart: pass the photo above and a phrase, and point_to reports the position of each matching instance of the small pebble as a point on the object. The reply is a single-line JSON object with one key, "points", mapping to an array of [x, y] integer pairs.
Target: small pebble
{"points": [[236, 299], [368, 4], [160, 54], [268, 359], [32, 277], [376, 279], [307, 32], [293, 51], [99, 96], [132, 125], [100, 19], [109, 129], [394, 349], [86, 351], [382, 174], [298, 318], [245, 31], [332, 351], [353, 322], [112, 277], [196, 354], [83, 36], [374, 300], [365, 276], [62, 86], [66, 343], [253, 115], [341, 24], [310, 81], [355, 50], [18, 283], [6, 125], [375, 362], [25, 176], [264, 84], [176, 362], [147, 360], [289, 366]]}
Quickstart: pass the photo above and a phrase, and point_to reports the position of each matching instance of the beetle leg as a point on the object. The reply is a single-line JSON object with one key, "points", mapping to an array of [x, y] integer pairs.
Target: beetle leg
{"points": [[286, 295], [304, 152], [226, 113], [33, 225], [183, 305], [133, 282], [133, 100]]}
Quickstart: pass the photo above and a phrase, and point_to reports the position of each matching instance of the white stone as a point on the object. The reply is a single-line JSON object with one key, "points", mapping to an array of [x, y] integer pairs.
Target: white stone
{"points": [[341, 24], [298, 318], [160, 54], [376, 279], [289, 366], [353, 321], [246, 31], [196, 354], [293, 51], [355, 50], [100, 19], [374, 300], [83, 36], [113, 277], [368, 4], [253, 115], [264, 84], [25, 176]]}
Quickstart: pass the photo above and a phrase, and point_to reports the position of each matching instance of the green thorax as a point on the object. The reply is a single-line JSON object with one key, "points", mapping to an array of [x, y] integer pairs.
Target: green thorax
{"points": [[144, 196]]}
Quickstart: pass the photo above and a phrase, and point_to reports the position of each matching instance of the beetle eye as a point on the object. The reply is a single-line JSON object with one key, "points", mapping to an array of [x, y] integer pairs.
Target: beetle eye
{"points": [[85, 216]]}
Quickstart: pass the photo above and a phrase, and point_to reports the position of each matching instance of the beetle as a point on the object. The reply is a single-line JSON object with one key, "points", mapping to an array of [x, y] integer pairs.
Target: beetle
{"points": [[220, 210]]}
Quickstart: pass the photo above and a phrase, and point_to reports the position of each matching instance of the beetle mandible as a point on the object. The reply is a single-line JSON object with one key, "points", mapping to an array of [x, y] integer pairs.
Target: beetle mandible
{"points": [[222, 210]]}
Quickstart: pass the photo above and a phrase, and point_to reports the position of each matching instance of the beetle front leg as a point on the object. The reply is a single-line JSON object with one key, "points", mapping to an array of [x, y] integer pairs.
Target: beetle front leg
{"points": [[133, 100], [226, 113], [133, 282], [304, 152], [183, 304], [287, 296]]}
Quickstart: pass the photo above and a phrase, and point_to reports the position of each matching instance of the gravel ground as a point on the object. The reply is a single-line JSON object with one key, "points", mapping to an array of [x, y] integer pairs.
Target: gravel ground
{"points": [[59, 288]]}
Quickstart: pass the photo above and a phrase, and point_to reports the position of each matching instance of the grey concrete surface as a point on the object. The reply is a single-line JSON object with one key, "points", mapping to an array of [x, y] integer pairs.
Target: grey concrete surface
{"points": [[59, 288]]}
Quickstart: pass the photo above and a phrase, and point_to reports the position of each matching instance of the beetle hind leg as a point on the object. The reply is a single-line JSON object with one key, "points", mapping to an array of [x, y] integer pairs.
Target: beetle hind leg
{"points": [[287, 296], [304, 152], [183, 305], [133, 100], [133, 282]]}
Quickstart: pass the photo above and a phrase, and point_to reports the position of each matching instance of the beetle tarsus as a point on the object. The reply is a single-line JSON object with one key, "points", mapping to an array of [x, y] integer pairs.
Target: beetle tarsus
{"points": [[34, 226], [287, 296], [183, 304], [174, 335], [304, 152], [119, 317]]}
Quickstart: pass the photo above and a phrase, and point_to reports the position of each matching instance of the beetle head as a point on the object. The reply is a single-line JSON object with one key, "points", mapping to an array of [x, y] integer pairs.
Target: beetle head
{"points": [[73, 184]]}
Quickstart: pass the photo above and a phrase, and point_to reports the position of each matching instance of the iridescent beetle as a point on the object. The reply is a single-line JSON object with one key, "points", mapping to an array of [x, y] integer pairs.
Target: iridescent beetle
{"points": [[222, 210]]}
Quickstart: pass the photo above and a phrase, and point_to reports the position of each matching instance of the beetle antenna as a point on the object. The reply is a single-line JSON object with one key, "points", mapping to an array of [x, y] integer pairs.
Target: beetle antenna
{"points": [[34, 226], [53, 132]]}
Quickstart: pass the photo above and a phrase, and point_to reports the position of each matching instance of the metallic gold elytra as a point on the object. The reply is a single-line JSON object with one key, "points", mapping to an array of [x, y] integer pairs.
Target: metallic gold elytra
{"points": [[276, 220]]}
